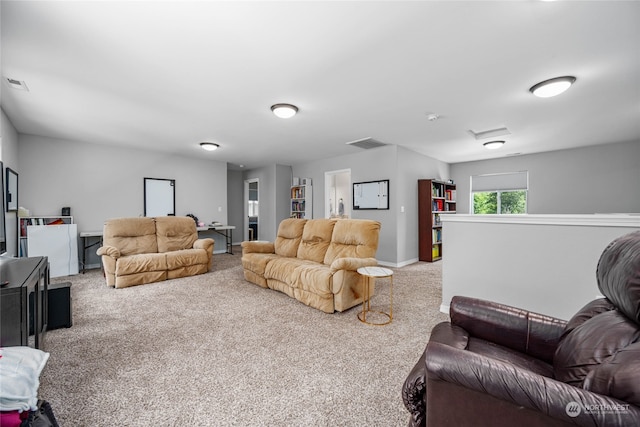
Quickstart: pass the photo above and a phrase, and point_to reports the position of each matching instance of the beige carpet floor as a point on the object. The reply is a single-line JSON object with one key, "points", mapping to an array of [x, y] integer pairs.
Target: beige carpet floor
{"points": [[215, 350]]}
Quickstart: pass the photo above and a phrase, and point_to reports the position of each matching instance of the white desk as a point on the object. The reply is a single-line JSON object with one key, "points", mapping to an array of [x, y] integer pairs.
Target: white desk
{"points": [[223, 230]]}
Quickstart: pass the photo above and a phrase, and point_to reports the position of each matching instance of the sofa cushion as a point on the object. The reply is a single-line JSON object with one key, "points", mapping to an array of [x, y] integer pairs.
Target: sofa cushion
{"points": [[282, 269], [618, 274], [175, 233], [141, 263], [592, 343], [316, 237], [315, 278], [185, 258], [131, 235], [289, 237], [257, 262], [353, 238]]}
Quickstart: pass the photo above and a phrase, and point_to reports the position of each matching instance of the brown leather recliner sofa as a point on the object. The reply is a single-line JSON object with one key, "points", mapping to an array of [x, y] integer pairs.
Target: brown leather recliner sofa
{"points": [[315, 261], [496, 365], [143, 250]]}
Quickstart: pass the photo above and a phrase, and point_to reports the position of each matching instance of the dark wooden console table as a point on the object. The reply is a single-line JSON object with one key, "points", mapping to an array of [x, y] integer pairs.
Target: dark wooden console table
{"points": [[21, 277]]}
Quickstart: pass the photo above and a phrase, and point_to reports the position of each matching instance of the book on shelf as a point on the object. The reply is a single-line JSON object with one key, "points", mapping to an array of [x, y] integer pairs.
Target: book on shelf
{"points": [[435, 251], [436, 219]]}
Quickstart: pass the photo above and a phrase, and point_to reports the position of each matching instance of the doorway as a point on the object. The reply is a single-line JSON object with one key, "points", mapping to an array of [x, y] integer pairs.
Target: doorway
{"points": [[337, 190], [252, 211]]}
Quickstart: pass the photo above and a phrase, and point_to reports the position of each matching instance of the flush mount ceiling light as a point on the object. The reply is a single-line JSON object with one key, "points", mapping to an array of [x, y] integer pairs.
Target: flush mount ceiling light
{"points": [[552, 87], [492, 145], [209, 146], [284, 111]]}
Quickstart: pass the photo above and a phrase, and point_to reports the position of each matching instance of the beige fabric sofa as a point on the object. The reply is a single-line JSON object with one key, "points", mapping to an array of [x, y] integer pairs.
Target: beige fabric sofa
{"points": [[315, 261], [143, 250]]}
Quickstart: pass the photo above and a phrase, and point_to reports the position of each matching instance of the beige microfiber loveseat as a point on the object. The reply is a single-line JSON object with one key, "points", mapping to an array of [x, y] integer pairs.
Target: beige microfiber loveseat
{"points": [[315, 260], [136, 251]]}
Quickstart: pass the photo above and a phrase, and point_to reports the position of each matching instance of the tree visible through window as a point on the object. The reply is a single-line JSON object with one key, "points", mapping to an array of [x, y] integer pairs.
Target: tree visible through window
{"points": [[504, 202], [500, 193]]}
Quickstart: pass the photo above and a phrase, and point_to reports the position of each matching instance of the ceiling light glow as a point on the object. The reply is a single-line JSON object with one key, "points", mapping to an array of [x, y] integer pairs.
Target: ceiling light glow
{"points": [[284, 111], [552, 87], [492, 145], [209, 146]]}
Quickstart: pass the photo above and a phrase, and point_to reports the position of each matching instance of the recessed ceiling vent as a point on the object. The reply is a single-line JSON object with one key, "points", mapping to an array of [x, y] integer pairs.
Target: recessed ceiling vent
{"points": [[366, 143], [493, 133], [16, 84]]}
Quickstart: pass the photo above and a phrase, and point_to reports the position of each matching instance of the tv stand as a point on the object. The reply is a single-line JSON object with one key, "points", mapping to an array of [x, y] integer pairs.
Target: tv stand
{"points": [[25, 277]]}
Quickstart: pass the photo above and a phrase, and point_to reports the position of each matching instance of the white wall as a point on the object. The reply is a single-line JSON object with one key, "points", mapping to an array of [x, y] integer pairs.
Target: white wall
{"points": [[599, 179], [542, 263], [100, 182]]}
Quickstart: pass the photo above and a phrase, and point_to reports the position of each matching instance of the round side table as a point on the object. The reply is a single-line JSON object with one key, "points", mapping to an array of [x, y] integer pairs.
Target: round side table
{"points": [[369, 273]]}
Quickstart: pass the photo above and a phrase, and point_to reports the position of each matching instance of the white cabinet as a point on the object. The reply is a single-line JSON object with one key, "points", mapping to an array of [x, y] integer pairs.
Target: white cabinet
{"points": [[55, 237]]}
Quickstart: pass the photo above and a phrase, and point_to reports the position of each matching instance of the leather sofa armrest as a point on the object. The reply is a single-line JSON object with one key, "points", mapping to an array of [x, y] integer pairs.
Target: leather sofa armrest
{"points": [[415, 384], [413, 390], [351, 263], [108, 251], [255, 246], [524, 388], [206, 244], [521, 330]]}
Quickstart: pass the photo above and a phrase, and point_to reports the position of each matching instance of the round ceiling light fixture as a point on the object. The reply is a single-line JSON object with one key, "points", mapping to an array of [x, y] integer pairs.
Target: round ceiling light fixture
{"points": [[492, 145], [552, 87], [284, 111], [209, 146]]}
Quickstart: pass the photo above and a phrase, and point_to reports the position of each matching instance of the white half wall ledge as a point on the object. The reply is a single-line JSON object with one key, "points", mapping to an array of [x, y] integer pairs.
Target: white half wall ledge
{"points": [[600, 220], [541, 263]]}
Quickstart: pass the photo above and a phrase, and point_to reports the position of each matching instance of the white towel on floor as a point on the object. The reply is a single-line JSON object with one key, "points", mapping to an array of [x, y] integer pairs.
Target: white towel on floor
{"points": [[20, 369]]}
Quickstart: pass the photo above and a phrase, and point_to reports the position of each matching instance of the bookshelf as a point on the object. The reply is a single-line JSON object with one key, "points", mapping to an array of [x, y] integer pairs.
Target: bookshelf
{"points": [[26, 221], [301, 201], [435, 198]]}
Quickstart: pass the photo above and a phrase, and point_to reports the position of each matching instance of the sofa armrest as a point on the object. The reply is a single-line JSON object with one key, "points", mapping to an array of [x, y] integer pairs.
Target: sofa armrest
{"points": [[108, 251], [524, 388], [254, 246], [206, 244], [351, 263], [415, 385], [413, 390], [521, 330]]}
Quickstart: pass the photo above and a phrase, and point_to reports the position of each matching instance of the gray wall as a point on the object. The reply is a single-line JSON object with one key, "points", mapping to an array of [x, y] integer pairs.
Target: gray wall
{"points": [[274, 192], [235, 203], [398, 243], [9, 157], [100, 182], [599, 179]]}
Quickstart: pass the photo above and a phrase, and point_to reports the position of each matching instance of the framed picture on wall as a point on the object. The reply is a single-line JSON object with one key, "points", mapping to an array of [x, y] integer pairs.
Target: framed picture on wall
{"points": [[12, 190]]}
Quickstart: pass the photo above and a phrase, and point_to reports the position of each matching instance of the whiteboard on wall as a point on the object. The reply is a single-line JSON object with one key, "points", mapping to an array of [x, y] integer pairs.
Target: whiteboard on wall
{"points": [[371, 195], [159, 197]]}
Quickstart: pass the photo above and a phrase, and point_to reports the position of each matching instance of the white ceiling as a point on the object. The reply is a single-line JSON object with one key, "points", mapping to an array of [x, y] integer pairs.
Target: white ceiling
{"points": [[167, 75]]}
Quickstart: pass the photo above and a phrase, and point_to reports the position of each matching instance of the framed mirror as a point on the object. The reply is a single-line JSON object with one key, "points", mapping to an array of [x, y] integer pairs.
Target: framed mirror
{"points": [[12, 190], [159, 197]]}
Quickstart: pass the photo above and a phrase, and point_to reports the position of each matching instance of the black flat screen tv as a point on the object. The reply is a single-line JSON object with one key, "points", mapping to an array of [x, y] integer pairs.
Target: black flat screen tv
{"points": [[3, 229]]}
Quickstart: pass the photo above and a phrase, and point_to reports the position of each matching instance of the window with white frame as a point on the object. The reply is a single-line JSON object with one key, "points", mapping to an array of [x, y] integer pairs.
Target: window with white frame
{"points": [[499, 193]]}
